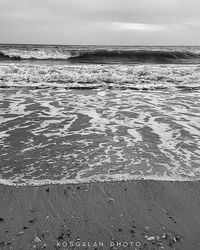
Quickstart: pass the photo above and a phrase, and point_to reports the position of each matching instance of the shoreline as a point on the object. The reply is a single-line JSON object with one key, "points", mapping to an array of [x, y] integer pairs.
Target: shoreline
{"points": [[152, 214], [45, 184]]}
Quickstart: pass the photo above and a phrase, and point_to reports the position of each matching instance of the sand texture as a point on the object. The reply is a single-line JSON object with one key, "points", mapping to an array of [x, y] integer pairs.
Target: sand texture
{"points": [[142, 214]]}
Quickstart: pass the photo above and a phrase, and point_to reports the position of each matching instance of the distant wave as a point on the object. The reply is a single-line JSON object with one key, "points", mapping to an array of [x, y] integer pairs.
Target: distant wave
{"points": [[104, 56]]}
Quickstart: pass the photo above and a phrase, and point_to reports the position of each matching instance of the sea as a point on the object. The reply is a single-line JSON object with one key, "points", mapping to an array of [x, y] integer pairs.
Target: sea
{"points": [[80, 114]]}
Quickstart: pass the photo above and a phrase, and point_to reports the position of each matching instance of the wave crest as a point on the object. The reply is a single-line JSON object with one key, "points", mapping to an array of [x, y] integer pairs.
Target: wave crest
{"points": [[102, 55], [39, 54], [134, 56]]}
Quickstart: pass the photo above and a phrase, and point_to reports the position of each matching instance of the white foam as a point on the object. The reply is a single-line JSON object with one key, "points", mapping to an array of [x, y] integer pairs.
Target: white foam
{"points": [[93, 179], [44, 75], [125, 135], [42, 54]]}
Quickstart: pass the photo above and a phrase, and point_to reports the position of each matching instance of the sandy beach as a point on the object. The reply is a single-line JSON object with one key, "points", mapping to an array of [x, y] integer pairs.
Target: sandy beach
{"points": [[109, 215], [99, 125], [62, 122]]}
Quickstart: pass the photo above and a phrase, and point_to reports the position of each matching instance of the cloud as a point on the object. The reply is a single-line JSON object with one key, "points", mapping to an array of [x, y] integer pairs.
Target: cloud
{"points": [[138, 26], [100, 21], [193, 22]]}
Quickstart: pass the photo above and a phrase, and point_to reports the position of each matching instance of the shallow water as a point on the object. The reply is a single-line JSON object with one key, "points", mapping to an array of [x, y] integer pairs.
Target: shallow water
{"points": [[66, 136]]}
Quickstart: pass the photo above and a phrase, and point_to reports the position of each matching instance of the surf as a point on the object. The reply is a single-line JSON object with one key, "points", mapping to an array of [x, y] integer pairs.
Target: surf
{"points": [[103, 56]]}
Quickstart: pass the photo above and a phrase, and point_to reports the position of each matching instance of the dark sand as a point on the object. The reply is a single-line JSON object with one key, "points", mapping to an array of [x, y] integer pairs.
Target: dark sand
{"points": [[153, 214]]}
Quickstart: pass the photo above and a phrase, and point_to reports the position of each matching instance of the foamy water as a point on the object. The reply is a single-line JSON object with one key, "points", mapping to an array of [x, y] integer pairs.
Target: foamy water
{"points": [[71, 114], [72, 136], [106, 76]]}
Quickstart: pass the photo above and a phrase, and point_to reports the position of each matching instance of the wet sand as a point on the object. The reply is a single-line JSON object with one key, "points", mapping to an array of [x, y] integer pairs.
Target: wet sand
{"points": [[110, 215]]}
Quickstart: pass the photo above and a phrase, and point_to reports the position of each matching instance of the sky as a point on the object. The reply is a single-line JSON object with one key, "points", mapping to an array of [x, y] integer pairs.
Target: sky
{"points": [[107, 22]]}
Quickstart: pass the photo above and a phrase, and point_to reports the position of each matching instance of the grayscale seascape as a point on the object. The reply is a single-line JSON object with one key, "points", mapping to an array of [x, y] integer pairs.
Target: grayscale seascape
{"points": [[99, 125], [73, 114]]}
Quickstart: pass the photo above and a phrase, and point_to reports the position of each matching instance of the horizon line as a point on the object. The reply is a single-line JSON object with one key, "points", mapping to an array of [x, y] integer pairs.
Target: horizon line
{"points": [[124, 45]]}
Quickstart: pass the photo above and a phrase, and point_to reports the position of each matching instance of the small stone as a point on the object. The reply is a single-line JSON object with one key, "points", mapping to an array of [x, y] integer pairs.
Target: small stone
{"points": [[110, 199], [151, 238], [37, 239], [20, 233], [177, 238]]}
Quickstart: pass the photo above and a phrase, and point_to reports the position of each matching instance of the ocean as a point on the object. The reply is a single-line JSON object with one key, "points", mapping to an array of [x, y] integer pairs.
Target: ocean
{"points": [[72, 114]]}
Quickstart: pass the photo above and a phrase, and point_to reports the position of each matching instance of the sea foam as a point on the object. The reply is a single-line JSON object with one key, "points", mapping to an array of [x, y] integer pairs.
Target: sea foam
{"points": [[107, 76], [75, 136]]}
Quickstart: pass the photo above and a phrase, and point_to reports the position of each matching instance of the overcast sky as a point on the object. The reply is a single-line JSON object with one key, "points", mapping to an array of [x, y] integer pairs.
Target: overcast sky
{"points": [[128, 22]]}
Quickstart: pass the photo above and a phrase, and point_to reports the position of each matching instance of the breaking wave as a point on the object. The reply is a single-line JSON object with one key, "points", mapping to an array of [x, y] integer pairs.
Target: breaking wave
{"points": [[103, 56], [140, 56], [35, 55]]}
